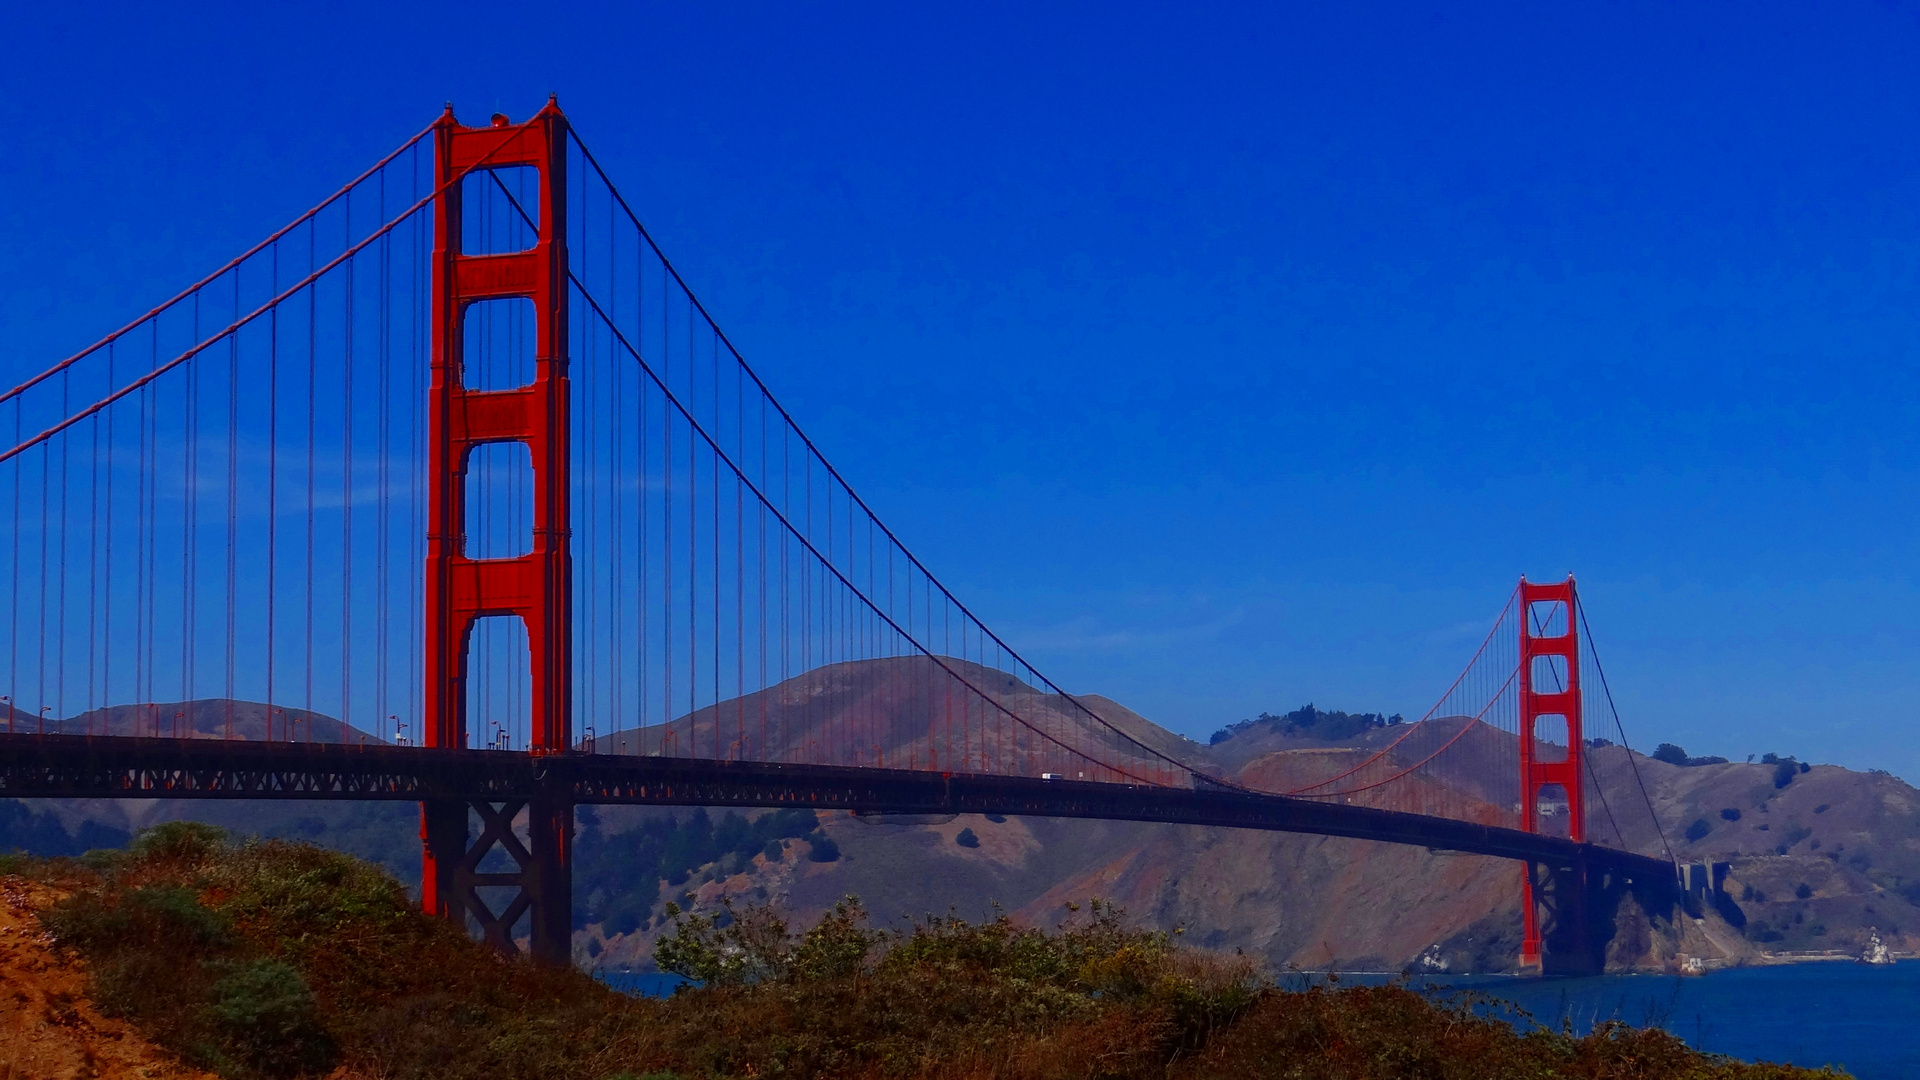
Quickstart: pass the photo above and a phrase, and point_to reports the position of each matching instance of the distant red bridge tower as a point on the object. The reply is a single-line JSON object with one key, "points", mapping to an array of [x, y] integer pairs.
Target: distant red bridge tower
{"points": [[1550, 754]]}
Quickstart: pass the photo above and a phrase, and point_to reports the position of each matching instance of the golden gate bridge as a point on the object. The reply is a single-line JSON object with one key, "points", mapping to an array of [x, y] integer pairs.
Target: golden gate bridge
{"points": [[451, 491]]}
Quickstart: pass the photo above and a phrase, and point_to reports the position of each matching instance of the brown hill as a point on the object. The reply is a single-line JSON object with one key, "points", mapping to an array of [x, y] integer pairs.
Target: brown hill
{"points": [[1852, 839], [213, 718], [1816, 860], [910, 712]]}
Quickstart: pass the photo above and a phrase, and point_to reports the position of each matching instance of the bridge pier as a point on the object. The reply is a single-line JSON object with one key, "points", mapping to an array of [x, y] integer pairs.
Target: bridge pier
{"points": [[543, 874], [1577, 904], [1563, 901]]}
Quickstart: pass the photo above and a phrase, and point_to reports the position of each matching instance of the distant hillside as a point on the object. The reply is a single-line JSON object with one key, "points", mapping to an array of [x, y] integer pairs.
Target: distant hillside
{"points": [[900, 712], [1851, 839], [212, 718], [1818, 855]]}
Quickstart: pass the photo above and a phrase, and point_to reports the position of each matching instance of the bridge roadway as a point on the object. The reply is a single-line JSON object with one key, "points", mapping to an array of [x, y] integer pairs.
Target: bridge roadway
{"points": [[36, 766]]}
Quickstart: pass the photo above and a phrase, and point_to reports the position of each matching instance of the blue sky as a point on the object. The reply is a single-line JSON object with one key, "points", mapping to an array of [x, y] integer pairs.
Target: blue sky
{"points": [[1224, 359]]}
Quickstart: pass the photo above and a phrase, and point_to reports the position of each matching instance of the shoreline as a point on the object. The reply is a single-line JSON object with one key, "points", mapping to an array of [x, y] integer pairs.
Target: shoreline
{"points": [[1707, 966]]}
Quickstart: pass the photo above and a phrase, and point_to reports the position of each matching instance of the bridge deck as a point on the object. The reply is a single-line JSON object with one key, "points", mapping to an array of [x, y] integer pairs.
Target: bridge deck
{"points": [[84, 767]]}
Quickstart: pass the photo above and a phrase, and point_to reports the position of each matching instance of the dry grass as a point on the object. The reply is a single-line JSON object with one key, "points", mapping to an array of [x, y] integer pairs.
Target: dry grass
{"points": [[278, 959]]}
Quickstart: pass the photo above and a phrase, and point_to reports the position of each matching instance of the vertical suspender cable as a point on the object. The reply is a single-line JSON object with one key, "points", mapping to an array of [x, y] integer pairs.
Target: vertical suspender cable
{"points": [[643, 405], [417, 384], [383, 505], [150, 448], [346, 485], [189, 524], [313, 320], [93, 572], [587, 441], [693, 551], [140, 522], [765, 695], [693, 554], [40, 684], [616, 443], [13, 609], [60, 609], [107, 636], [666, 501], [233, 491], [273, 475], [739, 576], [786, 592], [716, 554]]}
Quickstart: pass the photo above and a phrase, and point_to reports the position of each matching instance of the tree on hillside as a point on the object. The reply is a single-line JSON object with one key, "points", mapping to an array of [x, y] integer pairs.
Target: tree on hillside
{"points": [[1673, 755], [1311, 722], [1670, 754]]}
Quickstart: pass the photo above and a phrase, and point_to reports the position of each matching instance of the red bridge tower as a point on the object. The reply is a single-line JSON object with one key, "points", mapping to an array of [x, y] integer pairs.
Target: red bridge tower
{"points": [[535, 587], [1550, 757]]}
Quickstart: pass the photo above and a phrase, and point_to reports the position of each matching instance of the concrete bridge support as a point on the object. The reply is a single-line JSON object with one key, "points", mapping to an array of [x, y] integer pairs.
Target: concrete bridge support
{"points": [[1575, 907]]}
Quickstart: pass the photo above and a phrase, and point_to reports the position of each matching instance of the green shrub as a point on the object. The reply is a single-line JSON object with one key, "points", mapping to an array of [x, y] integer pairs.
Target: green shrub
{"points": [[836, 947], [741, 947], [187, 842], [152, 916], [268, 1019], [724, 949]]}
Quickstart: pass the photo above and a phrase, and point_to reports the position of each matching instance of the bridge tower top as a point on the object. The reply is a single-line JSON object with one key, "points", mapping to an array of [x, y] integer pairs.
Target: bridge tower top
{"points": [[537, 586]]}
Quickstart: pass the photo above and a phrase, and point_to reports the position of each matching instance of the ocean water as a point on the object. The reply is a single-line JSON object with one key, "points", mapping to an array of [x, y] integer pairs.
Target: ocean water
{"points": [[1864, 1019], [641, 983]]}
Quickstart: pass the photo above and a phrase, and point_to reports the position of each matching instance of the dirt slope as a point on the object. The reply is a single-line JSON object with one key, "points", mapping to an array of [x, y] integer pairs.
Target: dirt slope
{"points": [[48, 1029]]}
